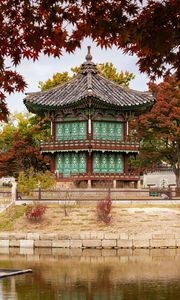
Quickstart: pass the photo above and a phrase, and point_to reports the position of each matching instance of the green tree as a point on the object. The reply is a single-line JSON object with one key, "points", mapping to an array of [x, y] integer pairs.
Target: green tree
{"points": [[106, 69], [57, 78], [31, 179], [110, 72], [19, 144]]}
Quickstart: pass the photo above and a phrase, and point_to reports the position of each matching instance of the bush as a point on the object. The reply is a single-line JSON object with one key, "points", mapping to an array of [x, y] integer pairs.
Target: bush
{"points": [[103, 209], [35, 213], [31, 179]]}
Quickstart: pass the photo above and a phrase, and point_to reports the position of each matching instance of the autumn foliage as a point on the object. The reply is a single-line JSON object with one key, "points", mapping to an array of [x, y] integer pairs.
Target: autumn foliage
{"points": [[159, 129], [19, 157], [35, 212], [149, 29], [103, 209]]}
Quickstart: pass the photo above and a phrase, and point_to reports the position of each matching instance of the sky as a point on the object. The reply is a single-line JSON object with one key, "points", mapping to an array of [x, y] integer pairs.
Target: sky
{"points": [[45, 67]]}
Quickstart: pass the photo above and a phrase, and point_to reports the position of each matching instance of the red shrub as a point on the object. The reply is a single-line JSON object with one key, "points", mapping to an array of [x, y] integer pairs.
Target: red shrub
{"points": [[104, 208], [35, 213]]}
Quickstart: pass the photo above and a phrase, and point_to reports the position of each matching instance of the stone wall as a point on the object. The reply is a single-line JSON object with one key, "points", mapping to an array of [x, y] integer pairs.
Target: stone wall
{"points": [[98, 240]]}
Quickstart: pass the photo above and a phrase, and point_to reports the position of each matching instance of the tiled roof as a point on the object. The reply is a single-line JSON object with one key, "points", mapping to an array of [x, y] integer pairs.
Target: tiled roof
{"points": [[87, 84]]}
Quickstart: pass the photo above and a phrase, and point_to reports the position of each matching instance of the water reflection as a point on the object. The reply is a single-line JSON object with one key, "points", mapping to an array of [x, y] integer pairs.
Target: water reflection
{"points": [[92, 274]]}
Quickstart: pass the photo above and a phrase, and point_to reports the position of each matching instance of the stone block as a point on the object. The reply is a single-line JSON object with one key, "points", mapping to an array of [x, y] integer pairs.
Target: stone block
{"points": [[32, 236], [64, 236], [109, 243], [141, 236], [124, 243], [162, 243], [75, 236], [61, 244], [111, 236], [14, 243], [177, 236], [123, 236], [92, 243], [141, 243], [48, 236], [17, 236], [76, 243], [97, 235], [4, 243], [85, 235], [162, 236], [43, 244], [4, 236], [26, 243]]}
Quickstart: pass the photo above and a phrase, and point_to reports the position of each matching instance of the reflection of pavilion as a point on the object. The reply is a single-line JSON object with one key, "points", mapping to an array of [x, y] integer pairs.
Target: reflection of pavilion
{"points": [[89, 126], [135, 274]]}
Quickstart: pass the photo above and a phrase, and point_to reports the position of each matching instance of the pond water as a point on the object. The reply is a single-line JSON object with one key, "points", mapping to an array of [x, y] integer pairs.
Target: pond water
{"points": [[92, 274]]}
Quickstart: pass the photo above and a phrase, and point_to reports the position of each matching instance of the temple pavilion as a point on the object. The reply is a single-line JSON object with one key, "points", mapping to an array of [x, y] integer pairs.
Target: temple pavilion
{"points": [[89, 127]]}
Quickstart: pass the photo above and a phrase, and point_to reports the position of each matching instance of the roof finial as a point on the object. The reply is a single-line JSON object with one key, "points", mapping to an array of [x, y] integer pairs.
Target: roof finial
{"points": [[89, 56]]}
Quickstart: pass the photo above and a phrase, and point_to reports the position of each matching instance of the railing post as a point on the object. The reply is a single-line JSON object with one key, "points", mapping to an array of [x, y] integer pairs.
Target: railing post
{"points": [[114, 184], [14, 191]]}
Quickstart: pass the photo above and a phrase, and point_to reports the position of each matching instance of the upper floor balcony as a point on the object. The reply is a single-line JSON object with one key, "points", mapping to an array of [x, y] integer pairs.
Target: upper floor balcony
{"points": [[90, 143]]}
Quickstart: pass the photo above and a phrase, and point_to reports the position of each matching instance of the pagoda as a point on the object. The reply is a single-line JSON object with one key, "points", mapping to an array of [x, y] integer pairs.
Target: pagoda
{"points": [[89, 127]]}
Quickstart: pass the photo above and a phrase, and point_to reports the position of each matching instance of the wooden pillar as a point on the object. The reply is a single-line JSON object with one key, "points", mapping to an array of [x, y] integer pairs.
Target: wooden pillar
{"points": [[89, 131], [53, 163], [53, 127], [89, 163], [126, 129]]}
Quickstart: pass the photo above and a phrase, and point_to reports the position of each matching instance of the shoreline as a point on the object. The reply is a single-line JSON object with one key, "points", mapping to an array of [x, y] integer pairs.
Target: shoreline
{"points": [[90, 240]]}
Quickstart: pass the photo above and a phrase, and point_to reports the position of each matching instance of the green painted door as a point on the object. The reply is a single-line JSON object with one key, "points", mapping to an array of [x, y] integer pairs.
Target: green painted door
{"points": [[108, 162], [71, 131], [108, 130], [68, 163]]}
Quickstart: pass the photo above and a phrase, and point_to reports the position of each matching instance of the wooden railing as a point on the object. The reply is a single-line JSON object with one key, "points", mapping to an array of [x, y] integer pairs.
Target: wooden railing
{"points": [[89, 144], [93, 194], [98, 176]]}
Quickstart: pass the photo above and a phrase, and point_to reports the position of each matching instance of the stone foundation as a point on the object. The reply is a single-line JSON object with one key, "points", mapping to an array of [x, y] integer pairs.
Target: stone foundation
{"points": [[96, 240]]}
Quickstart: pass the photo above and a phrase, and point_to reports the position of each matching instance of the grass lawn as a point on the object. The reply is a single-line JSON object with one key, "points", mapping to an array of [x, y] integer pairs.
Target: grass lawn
{"points": [[126, 218]]}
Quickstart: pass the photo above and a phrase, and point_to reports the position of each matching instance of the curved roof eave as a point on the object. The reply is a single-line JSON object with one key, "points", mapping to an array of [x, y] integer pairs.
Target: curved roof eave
{"points": [[88, 83]]}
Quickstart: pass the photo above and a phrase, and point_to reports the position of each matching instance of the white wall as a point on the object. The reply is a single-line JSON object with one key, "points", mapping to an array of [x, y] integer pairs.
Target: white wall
{"points": [[159, 178]]}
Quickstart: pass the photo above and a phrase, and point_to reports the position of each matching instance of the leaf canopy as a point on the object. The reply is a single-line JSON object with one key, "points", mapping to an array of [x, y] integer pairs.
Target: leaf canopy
{"points": [[150, 29]]}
